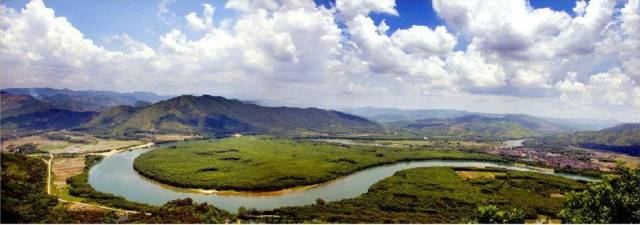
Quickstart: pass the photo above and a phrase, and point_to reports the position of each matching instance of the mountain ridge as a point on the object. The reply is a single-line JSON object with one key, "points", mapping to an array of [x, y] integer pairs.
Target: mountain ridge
{"points": [[215, 114]]}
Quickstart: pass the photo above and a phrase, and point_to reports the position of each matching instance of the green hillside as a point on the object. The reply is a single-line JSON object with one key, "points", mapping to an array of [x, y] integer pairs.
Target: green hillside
{"points": [[218, 115], [475, 127], [111, 117], [623, 138]]}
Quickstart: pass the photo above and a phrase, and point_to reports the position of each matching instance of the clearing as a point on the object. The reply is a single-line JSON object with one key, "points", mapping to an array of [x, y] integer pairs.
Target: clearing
{"points": [[64, 168], [470, 175], [74, 143]]}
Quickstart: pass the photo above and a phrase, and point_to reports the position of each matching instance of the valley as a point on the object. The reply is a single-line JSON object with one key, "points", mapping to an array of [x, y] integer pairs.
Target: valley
{"points": [[264, 164], [241, 162]]}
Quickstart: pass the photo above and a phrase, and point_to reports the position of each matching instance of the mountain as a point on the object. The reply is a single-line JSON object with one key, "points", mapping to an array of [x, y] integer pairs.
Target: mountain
{"points": [[85, 100], [26, 114], [13, 105], [110, 118], [390, 115], [478, 127], [51, 119], [623, 138], [218, 115], [585, 124], [386, 115]]}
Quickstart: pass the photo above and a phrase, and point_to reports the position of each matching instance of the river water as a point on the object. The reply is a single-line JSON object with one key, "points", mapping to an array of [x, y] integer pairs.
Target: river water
{"points": [[115, 174]]}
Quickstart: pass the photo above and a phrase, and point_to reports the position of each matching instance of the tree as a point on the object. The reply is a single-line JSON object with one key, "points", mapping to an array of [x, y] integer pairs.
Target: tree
{"points": [[614, 200], [492, 214], [24, 199]]}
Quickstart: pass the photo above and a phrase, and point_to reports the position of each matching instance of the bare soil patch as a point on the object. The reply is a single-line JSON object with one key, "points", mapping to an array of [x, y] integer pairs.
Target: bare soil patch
{"points": [[64, 168], [470, 175]]}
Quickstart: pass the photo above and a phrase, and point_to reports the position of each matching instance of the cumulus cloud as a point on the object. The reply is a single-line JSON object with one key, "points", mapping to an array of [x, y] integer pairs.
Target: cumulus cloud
{"points": [[424, 40], [351, 8], [299, 52]]}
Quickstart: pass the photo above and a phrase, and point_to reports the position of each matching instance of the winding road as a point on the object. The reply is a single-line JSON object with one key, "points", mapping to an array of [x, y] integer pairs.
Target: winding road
{"points": [[49, 165]]}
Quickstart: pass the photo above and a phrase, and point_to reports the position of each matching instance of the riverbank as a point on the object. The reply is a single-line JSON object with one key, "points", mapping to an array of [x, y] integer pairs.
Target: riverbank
{"points": [[267, 165], [403, 198], [116, 175]]}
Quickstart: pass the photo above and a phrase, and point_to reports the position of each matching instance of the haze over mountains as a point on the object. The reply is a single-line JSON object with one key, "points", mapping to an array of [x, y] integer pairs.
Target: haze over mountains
{"points": [[389, 115], [86, 100], [23, 112], [118, 114], [623, 138]]}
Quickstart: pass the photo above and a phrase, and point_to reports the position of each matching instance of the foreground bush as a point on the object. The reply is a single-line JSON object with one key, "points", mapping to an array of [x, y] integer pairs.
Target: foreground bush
{"points": [[614, 200], [183, 211]]}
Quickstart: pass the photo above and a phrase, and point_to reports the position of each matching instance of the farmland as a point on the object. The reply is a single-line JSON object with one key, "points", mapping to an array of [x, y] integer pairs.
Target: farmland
{"points": [[59, 142]]}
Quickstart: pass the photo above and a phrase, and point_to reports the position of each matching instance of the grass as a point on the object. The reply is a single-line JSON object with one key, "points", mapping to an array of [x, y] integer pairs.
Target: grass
{"points": [[54, 146], [252, 163], [434, 195]]}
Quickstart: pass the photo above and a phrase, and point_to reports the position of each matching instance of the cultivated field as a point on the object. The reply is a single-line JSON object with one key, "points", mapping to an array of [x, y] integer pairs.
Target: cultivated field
{"points": [[64, 168], [72, 144]]}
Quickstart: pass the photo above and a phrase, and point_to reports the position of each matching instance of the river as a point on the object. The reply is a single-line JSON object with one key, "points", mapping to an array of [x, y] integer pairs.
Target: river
{"points": [[115, 174]]}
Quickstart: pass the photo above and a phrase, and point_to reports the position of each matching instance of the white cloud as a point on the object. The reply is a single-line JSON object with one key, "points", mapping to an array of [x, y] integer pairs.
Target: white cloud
{"points": [[165, 13], [351, 8], [610, 88], [631, 18], [476, 74], [201, 23], [295, 51], [423, 40]]}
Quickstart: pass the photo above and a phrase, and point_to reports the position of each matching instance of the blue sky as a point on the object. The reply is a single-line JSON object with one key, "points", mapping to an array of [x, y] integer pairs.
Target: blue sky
{"points": [[140, 19], [558, 58]]}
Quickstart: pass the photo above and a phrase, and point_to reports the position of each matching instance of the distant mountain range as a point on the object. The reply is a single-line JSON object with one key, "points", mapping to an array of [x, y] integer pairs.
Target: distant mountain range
{"points": [[391, 115], [121, 114], [85, 100], [479, 127], [623, 138], [43, 109]]}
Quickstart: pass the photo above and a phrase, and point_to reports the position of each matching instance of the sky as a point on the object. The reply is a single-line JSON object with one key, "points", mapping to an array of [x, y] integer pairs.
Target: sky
{"points": [[564, 59]]}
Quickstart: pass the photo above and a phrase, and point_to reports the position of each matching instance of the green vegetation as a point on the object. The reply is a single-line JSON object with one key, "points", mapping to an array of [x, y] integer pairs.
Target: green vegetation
{"points": [[79, 187], [615, 200], [478, 127], [24, 199], [253, 163], [492, 214], [436, 195], [220, 116], [624, 138], [183, 211], [27, 148]]}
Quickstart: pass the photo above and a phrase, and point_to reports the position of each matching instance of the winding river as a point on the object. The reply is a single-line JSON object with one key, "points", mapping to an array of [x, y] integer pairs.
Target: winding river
{"points": [[115, 174]]}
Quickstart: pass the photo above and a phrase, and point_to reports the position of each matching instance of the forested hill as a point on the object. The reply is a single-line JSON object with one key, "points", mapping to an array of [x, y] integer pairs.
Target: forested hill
{"points": [[88, 100], [218, 115], [623, 138], [478, 127]]}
